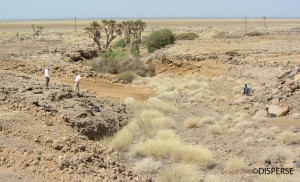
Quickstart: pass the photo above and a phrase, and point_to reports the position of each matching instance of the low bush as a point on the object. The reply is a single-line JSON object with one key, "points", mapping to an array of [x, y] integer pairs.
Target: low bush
{"points": [[159, 39], [116, 62], [252, 34], [186, 36], [112, 55], [226, 35], [126, 76], [120, 43]]}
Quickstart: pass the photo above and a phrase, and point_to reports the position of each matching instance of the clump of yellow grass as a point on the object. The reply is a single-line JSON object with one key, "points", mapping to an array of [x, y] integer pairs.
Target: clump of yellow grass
{"points": [[179, 173], [234, 165], [167, 144], [192, 122]]}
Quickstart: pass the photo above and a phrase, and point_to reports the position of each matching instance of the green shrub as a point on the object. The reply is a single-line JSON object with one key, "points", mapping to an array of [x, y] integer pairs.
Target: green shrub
{"points": [[117, 54], [159, 39], [120, 43], [186, 36], [116, 62], [126, 76], [251, 34]]}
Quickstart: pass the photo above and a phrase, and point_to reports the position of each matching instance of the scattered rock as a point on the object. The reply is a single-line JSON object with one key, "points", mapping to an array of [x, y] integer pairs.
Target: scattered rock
{"points": [[276, 111], [283, 73]]}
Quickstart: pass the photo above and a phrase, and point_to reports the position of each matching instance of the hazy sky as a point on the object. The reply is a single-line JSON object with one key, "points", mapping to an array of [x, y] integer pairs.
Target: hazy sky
{"points": [[52, 9]]}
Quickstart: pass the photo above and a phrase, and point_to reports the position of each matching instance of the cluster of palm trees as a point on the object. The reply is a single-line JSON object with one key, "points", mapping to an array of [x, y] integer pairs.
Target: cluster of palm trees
{"points": [[132, 31]]}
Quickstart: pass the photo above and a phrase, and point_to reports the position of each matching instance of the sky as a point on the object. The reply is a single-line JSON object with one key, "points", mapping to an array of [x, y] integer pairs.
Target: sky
{"points": [[64, 9]]}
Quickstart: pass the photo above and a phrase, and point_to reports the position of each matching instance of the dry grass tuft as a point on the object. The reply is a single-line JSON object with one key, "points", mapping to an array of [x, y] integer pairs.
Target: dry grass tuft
{"points": [[147, 166], [234, 165], [121, 140], [193, 154], [169, 95], [216, 129], [167, 144], [208, 120], [151, 121], [192, 122], [289, 138], [161, 146], [179, 173], [157, 104]]}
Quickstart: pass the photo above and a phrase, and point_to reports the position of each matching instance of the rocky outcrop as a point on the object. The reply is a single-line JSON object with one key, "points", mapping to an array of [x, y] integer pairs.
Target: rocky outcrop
{"points": [[77, 55], [276, 111], [283, 73], [90, 116]]}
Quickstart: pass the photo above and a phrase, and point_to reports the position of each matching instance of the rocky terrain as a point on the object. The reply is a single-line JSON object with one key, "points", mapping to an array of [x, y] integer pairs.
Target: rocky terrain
{"points": [[53, 134], [46, 133]]}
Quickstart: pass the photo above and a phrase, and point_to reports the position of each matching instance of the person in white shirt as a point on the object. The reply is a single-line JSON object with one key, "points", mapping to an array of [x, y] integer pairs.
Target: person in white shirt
{"points": [[77, 81], [47, 76]]}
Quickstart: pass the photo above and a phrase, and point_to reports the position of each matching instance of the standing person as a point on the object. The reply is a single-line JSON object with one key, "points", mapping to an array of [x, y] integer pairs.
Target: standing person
{"points": [[47, 76], [77, 80], [247, 90]]}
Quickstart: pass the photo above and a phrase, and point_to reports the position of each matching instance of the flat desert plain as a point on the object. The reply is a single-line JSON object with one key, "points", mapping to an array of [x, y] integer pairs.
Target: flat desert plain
{"points": [[188, 122]]}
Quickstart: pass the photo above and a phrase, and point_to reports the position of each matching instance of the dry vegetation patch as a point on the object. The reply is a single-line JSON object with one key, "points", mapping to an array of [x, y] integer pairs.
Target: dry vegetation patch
{"points": [[192, 122], [148, 166], [216, 129], [160, 146], [235, 165], [122, 139], [179, 173], [193, 154], [289, 138]]}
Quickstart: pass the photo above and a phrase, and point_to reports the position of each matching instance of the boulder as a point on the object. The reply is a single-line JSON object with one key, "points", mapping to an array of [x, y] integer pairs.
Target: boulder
{"points": [[283, 73], [75, 56], [276, 111]]}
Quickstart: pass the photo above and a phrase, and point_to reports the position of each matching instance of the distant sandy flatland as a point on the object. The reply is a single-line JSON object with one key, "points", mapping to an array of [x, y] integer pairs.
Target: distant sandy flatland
{"points": [[69, 24]]}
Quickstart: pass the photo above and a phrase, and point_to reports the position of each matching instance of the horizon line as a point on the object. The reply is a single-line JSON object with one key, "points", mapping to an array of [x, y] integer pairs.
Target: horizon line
{"points": [[119, 18]]}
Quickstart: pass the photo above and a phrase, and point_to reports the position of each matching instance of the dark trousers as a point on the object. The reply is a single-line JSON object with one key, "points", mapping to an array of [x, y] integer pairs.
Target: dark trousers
{"points": [[47, 81]]}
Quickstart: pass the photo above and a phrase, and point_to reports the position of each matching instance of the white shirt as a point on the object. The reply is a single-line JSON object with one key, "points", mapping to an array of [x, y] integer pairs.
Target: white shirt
{"points": [[47, 73], [77, 79]]}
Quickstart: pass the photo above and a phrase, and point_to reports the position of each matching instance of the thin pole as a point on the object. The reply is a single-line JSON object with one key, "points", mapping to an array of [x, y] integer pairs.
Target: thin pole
{"points": [[252, 19], [245, 23], [75, 24]]}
